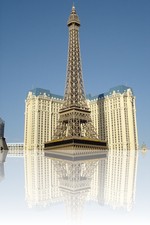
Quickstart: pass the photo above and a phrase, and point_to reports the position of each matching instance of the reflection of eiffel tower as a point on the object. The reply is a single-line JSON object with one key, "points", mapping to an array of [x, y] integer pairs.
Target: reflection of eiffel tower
{"points": [[74, 185], [75, 176], [75, 127]]}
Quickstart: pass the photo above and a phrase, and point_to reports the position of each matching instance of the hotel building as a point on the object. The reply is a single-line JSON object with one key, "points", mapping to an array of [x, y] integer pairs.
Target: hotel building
{"points": [[113, 114], [41, 116], [114, 117]]}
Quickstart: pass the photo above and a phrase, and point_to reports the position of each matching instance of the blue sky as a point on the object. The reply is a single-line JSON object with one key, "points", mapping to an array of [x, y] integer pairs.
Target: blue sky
{"points": [[115, 49]]}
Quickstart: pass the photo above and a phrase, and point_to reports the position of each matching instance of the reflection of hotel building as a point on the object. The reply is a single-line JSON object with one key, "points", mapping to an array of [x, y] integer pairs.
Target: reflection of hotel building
{"points": [[41, 182], [113, 115], [50, 181], [98, 183], [121, 178], [114, 180], [108, 181], [15, 149]]}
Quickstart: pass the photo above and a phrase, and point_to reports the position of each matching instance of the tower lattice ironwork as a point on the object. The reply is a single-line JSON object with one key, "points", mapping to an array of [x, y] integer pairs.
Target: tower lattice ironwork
{"points": [[75, 184], [75, 118], [75, 129]]}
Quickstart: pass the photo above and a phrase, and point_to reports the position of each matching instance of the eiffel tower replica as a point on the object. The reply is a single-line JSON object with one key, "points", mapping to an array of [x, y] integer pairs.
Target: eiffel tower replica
{"points": [[75, 129]]}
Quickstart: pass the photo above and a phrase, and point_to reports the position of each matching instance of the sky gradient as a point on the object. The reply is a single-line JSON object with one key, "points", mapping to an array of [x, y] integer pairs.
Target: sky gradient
{"points": [[115, 50]]}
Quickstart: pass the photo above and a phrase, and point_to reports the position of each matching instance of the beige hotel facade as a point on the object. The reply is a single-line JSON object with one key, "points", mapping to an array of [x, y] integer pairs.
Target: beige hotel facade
{"points": [[113, 114]]}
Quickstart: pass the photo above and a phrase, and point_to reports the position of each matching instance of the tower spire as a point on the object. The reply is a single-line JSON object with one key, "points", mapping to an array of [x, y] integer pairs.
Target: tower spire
{"points": [[73, 18], [75, 118], [74, 91]]}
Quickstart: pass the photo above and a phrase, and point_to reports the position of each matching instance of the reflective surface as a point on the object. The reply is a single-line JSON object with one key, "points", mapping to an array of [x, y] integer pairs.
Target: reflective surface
{"points": [[107, 188]]}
